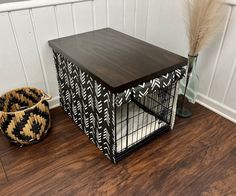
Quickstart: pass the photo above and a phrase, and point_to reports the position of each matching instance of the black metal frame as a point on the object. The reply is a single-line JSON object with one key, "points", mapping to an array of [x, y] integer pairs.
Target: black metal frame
{"points": [[154, 135], [158, 104]]}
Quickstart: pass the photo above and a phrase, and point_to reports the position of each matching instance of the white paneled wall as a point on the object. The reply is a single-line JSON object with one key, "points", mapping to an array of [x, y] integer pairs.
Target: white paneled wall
{"points": [[26, 59], [166, 27]]}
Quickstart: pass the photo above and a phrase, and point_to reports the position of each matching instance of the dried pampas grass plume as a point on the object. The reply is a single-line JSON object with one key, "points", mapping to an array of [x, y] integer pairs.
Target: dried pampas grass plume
{"points": [[204, 20]]}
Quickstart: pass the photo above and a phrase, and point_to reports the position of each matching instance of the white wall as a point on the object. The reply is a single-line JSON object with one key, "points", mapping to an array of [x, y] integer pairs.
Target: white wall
{"points": [[26, 59]]}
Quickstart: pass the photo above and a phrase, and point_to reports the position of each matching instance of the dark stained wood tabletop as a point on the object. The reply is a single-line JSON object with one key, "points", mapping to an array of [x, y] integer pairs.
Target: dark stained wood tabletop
{"points": [[117, 60]]}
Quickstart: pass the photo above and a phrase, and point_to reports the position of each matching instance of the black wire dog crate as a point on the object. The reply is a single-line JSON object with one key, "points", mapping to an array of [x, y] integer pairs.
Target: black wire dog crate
{"points": [[143, 117], [117, 118]]}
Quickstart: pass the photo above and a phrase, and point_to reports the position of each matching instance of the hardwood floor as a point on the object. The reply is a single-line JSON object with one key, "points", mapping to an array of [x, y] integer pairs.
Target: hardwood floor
{"points": [[197, 158]]}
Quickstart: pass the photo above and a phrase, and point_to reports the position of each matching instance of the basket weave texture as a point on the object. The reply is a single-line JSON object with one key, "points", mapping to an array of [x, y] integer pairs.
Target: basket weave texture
{"points": [[24, 115]]}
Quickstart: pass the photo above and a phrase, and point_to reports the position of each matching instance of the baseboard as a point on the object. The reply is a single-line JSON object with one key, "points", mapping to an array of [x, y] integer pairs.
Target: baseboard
{"points": [[231, 2], [217, 107], [54, 102]]}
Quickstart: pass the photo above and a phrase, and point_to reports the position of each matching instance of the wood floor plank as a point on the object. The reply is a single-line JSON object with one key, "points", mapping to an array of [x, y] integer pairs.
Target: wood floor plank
{"points": [[189, 160], [3, 178], [218, 180], [5, 146]]}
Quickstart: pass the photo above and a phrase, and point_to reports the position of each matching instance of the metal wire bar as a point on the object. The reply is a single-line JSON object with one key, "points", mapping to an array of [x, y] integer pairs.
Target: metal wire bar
{"points": [[143, 117]]}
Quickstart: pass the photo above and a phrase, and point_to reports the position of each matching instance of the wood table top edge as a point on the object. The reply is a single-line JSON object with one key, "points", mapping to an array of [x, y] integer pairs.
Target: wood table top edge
{"points": [[126, 85]]}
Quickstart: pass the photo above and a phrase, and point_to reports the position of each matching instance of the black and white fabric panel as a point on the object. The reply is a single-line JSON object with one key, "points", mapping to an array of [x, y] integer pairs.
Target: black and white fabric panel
{"points": [[92, 106], [174, 108], [144, 89], [89, 104]]}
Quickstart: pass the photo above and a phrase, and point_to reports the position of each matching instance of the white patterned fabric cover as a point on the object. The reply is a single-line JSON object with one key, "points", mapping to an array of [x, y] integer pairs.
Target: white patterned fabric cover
{"points": [[92, 106]]}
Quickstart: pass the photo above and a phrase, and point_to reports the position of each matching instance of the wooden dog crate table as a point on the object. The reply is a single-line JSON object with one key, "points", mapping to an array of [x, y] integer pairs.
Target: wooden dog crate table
{"points": [[121, 91]]}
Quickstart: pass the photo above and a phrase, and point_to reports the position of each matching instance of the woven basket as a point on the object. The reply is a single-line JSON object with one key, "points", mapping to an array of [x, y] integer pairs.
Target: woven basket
{"points": [[24, 115]]}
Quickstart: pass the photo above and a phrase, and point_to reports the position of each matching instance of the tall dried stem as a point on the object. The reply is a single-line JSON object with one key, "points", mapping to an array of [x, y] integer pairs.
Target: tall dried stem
{"points": [[204, 19]]}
